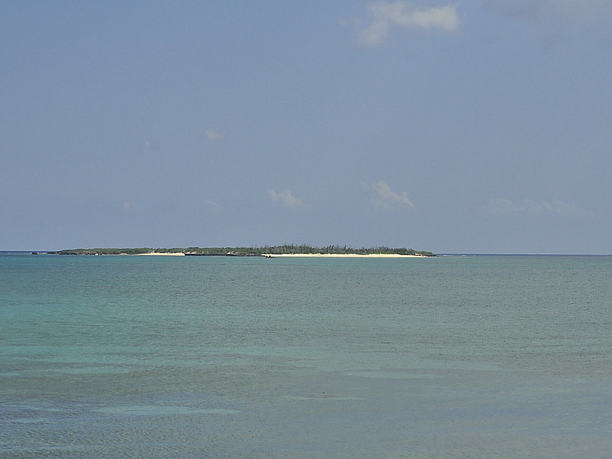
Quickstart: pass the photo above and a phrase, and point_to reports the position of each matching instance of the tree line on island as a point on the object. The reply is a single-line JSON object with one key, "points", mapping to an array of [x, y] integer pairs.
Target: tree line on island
{"points": [[248, 251]]}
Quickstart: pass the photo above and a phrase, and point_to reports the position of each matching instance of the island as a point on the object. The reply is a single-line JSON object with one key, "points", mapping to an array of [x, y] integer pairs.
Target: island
{"points": [[287, 250]]}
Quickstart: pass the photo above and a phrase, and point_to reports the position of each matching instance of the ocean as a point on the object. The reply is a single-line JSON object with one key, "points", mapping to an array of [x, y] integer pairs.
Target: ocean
{"points": [[452, 356]]}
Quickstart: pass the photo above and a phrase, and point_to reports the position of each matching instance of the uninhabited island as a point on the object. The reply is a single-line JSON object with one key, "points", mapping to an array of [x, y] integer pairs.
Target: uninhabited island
{"points": [[287, 250]]}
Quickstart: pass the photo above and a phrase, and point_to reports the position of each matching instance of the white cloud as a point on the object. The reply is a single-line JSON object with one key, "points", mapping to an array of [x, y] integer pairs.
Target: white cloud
{"points": [[502, 206], [507, 207], [403, 14], [213, 135], [385, 197], [286, 198], [211, 204]]}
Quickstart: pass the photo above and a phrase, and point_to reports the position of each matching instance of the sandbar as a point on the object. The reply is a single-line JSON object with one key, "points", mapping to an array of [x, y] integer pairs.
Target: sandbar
{"points": [[163, 254], [340, 255]]}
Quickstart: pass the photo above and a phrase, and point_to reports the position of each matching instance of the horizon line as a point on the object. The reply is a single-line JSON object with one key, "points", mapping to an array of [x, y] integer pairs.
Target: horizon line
{"points": [[435, 253]]}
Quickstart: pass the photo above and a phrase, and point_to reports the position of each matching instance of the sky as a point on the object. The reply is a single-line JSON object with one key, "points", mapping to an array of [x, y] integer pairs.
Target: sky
{"points": [[469, 126]]}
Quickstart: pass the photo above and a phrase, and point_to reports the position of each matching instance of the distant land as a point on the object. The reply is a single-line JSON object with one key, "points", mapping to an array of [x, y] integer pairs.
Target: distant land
{"points": [[267, 251]]}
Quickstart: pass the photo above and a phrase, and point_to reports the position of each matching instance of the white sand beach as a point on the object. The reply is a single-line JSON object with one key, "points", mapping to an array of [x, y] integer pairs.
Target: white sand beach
{"points": [[340, 255], [162, 254]]}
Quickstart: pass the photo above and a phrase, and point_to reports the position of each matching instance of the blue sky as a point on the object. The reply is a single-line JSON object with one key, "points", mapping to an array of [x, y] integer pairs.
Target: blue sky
{"points": [[471, 126]]}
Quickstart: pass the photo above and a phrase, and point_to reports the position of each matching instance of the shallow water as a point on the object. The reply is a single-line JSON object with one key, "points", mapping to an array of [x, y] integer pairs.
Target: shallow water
{"points": [[473, 356]]}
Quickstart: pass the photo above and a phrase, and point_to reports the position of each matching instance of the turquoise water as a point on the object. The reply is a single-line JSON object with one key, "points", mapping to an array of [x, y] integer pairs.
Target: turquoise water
{"points": [[472, 356]]}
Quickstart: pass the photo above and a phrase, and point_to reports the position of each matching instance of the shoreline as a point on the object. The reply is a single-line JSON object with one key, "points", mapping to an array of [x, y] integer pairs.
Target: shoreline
{"points": [[339, 255], [287, 250], [270, 255], [157, 254], [294, 255]]}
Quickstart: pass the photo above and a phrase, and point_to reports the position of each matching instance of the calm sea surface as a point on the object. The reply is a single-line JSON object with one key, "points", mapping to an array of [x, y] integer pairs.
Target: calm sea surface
{"points": [[472, 356]]}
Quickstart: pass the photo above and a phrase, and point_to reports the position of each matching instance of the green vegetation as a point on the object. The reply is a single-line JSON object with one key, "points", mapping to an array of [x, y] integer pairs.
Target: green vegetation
{"points": [[108, 251], [247, 251], [337, 249]]}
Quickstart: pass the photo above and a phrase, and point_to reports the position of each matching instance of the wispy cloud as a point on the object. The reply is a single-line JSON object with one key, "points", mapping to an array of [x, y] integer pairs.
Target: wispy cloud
{"points": [[385, 15], [211, 204], [127, 205], [212, 134], [507, 207], [286, 198], [384, 197]]}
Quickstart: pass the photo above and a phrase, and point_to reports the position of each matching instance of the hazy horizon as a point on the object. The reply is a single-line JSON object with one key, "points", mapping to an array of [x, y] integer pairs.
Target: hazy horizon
{"points": [[458, 254], [471, 127]]}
